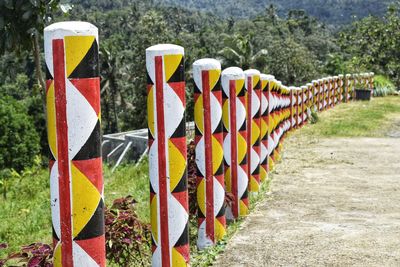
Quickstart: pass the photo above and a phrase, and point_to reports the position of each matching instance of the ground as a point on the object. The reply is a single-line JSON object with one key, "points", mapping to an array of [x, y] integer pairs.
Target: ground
{"points": [[333, 201]]}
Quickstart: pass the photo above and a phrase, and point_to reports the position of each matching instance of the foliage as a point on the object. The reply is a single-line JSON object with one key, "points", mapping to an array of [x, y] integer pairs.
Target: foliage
{"points": [[383, 86], [19, 141], [33, 255], [128, 240], [314, 117], [21, 20], [238, 51], [333, 12], [26, 93], [372, 44], [192, 179]]}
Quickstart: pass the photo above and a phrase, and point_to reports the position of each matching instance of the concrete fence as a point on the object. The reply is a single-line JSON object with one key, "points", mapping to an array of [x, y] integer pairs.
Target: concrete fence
{"points": [[241, 121]]}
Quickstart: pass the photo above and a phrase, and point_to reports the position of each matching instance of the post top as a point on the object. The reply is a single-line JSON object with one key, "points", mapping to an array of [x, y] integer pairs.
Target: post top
{"points": [[267, 77], [251, 72], [166, 48], [207, 64], [234, 72], [76, 26]]}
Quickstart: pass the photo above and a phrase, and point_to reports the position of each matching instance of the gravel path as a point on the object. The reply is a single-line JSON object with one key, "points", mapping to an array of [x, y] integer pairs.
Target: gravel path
{"points": [[333, 202]]}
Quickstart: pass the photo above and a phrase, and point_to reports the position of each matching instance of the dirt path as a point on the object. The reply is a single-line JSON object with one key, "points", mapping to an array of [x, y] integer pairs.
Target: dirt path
{"points": [[333, 202]]}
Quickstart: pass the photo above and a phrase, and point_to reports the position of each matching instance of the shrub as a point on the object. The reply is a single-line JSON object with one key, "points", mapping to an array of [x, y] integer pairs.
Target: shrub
{"points": [[19, 141], [192, 179], [383, 86], [33, 255], [128, 240]]}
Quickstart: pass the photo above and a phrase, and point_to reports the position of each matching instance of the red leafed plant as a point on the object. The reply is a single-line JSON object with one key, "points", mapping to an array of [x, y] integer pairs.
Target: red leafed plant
{"points": [[33, 255], [128, 240], [192, 182]]}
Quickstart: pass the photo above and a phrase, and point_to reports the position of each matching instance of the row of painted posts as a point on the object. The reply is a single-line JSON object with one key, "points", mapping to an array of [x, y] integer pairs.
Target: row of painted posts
{"points": [[241, 120]]}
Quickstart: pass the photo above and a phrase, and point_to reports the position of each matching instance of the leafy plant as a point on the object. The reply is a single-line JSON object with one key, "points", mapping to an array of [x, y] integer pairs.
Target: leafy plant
{"points": [[192, 183], [383, 86], [33, 255], [128, 240], [314, 116]]}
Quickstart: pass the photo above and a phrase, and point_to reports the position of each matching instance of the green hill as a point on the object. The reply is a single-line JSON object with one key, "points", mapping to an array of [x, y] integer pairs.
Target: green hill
{"points": [[329, 11]]}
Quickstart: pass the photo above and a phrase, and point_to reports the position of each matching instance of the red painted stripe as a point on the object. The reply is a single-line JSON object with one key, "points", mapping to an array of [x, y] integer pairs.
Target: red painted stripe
{"points": [[291, 109], [302, 106], [234, 165], [162, 165], [249, 121], [268, 93], [208, 156], [62, 152]]}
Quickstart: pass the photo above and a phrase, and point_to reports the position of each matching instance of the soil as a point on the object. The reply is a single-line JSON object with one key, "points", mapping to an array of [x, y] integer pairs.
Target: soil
{"points": [[333, 202]]}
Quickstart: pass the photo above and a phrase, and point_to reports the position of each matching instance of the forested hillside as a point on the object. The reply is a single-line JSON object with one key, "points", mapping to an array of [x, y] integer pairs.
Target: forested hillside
{"points": [[330, 11], [294, 46]]}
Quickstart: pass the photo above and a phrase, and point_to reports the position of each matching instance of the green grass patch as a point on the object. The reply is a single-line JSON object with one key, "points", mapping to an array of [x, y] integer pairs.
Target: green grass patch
{"points": [[129, 180], [357, 119], [26, 215]]}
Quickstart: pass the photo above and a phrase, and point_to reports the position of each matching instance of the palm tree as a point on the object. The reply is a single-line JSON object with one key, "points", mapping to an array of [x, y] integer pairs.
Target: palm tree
{"points": [[238, 51]]}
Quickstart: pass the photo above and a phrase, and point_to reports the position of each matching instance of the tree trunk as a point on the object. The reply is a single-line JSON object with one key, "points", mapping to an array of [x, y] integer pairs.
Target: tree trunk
{"points": [[39, 75]]}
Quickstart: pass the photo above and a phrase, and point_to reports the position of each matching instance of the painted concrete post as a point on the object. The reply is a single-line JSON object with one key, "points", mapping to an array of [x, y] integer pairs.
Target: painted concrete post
{"points": [[209, 151], [297, 107], [280, 123], [74, 136], [355, 83], [335, 80], [235, 136], [253, 87], [329, 92], [371, 82], [315, 95], [286, 112], [303, 104], [264, 166], [273, 84], [321, 95], [275, 119], [292, 94], [340, 85], [167, 155], [347, 83], [326, 96], [309, 100]]}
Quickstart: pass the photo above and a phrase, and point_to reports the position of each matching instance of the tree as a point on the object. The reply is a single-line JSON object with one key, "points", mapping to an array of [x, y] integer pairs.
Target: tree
{"points": [[372, 44], [238, 51], [19, 141], [21, 25], [292, 63]]}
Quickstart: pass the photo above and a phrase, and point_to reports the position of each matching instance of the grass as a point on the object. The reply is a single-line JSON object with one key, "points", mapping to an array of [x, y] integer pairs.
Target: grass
{"points": [[357, 119], [26, 217], [25, 214]]}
